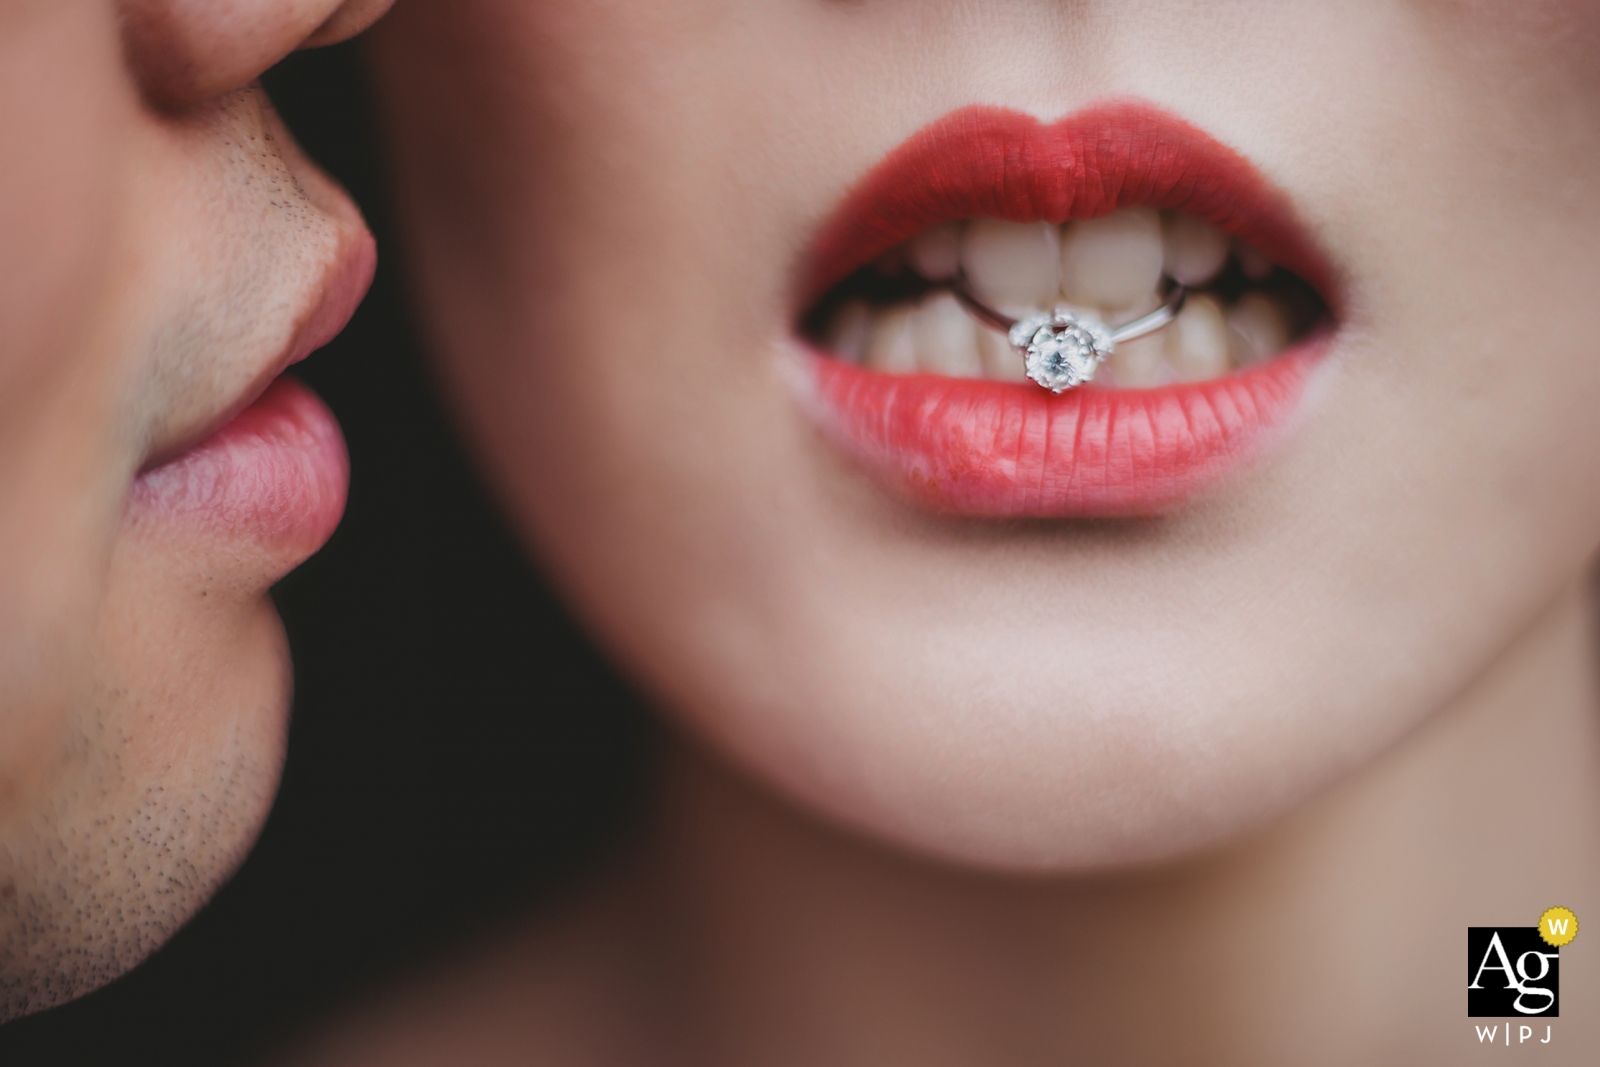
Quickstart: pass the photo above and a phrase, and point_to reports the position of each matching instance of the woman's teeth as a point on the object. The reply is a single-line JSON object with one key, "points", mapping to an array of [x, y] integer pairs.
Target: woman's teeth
{"points": [[1112, 262], [945, 337], [1199, 348], [1261, 327], [1012, 265], [935, 253], [1192, 252], [1114, 266]]}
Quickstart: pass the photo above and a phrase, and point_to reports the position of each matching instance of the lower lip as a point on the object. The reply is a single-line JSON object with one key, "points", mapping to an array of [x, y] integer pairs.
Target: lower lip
{"points": [[275, 477], [1002, 450]]}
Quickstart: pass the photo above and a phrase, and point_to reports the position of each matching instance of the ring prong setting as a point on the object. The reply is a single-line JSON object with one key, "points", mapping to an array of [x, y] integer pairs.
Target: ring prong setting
{"points": [[1061, 350]]}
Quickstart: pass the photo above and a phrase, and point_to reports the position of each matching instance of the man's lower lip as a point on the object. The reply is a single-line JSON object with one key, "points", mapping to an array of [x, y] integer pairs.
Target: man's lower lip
{"points": [[274, 477], [1002, 450]]}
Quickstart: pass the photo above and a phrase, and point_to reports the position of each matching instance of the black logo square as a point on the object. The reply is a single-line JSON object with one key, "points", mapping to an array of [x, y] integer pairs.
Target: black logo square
{"points": [[1511, 973]]}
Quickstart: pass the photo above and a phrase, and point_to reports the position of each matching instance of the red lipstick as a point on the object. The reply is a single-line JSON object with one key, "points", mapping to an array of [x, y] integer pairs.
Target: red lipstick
{"points": [[997, 449]]}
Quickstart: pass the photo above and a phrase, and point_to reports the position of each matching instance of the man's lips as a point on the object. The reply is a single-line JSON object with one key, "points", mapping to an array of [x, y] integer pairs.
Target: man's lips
{"points": [[275, 478], [997, 449], [273, 471], [338, 293], [343, 289]]}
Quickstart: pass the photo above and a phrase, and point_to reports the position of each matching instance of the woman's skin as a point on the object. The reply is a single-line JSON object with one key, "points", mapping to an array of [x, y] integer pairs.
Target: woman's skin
{"points": [[1220, 779], [165, 251]]}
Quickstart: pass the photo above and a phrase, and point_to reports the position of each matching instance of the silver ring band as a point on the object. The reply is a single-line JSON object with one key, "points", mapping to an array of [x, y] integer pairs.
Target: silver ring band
{"points": [[1062, 349]]}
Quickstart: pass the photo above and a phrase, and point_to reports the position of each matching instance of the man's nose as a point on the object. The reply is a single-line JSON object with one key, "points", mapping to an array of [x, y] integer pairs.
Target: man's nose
{"points": [[189, 50]]}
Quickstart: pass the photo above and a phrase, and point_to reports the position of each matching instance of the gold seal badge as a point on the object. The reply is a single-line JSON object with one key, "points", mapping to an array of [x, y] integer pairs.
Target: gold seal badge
{"points": [[1558, 926]]}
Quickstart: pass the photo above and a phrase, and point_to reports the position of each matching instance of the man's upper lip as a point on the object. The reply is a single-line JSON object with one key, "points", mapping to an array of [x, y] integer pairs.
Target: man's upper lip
{"points": [[344, 286], [993, 162], [339, 290]]}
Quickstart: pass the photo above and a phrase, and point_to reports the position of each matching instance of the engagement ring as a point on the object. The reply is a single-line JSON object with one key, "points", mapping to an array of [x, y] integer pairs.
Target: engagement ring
{"points": [[1062, 349]]}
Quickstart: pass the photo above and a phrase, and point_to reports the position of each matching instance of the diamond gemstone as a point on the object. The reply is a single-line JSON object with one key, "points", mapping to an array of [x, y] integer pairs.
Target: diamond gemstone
{"points": [[1062, 354]]}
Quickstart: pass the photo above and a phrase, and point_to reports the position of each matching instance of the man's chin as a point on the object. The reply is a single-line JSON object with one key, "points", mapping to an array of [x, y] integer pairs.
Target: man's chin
{"points": [[162, 783]]}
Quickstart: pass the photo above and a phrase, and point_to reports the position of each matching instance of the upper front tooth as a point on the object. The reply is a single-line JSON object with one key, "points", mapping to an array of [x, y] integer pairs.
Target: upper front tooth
{"points": [[1194, 251], [935, 253], [1112, 262], [1011, 263], [945, 337]]}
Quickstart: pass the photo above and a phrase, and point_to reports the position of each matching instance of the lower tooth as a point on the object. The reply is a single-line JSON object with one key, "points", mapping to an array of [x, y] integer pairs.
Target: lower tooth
{"points": [[1258, 327], [1139, 364], [1001, 362], [945, 337], [1197, 342], [891, 347], [848, 331]]}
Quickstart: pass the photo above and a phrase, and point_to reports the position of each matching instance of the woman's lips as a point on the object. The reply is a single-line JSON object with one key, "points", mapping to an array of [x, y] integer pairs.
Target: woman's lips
{"points": [[998, 449]]}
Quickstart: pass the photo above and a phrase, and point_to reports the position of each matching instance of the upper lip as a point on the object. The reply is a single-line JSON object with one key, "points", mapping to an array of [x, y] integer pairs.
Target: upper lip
{"points": [[331, 300], [983, 161]]}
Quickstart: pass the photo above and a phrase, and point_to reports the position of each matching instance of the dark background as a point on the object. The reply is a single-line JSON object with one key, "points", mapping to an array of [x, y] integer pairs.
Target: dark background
{"points": [[458, 749]]}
